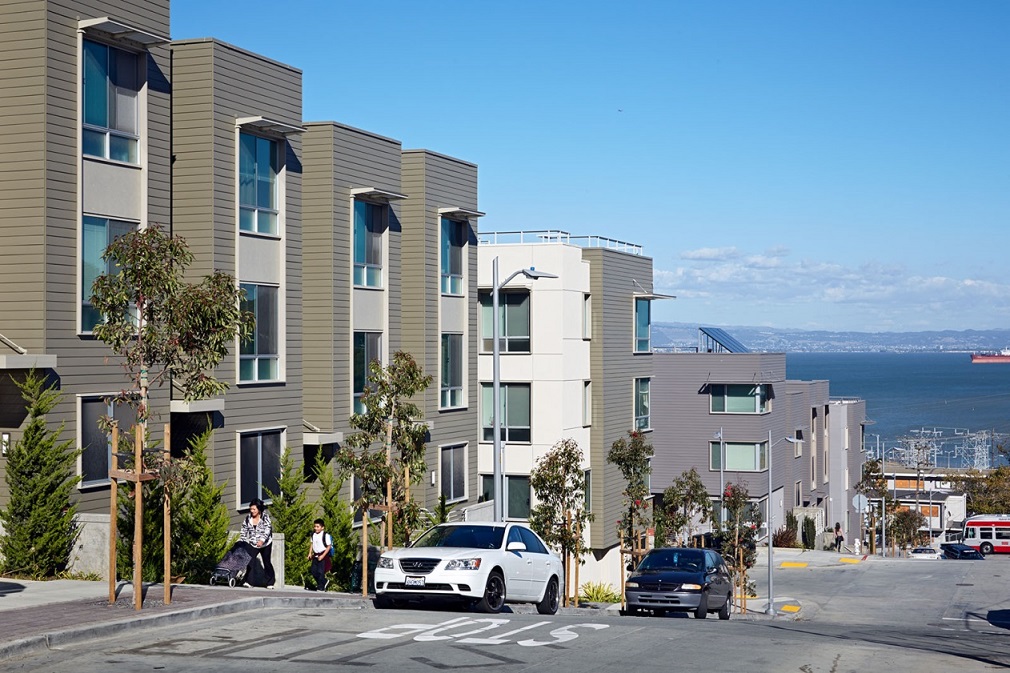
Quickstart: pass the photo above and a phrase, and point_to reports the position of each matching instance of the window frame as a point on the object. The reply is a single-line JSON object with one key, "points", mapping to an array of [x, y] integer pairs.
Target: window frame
{"points": [[643, 344], [587, 316], [587, 404], [275, 165], [112, 129], [281, 433], [453, 239], [639, 416], [488, 495], [111, 405], [717, 448], [463, 450], [760, 394], [507, 430], [84, 307], [357, 406], [372, 226], [451, 389], [254, 355], [508, 343]]}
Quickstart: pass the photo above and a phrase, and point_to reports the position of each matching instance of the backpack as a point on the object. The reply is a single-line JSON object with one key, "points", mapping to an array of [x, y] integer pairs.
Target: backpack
{"points": [[333, 549]]}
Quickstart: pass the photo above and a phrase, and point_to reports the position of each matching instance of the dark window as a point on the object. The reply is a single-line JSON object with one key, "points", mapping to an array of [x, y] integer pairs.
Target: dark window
{"points": [[533, 543]]}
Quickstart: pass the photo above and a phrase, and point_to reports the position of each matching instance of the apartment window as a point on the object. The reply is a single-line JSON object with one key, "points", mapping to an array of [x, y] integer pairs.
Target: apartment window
{"points": [[738, 398], [813, 470], [514, 412], [513, 321], [369, 226], [96, 443], [452, 371], [642, 420], [588, 492], [587, 316], [259, 355], [258, 166], [825, 460], [453, 240], [798, 494], [587, 403], [516, 495], [643, 325], [367, 349], [453, 464], [798, 444], [259, 464], [97, 234], [740, 456], [112, 80]]}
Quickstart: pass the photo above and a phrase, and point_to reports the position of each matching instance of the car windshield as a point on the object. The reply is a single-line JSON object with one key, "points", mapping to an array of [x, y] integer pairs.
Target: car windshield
{"points": [[479, 537], [672, 559]]}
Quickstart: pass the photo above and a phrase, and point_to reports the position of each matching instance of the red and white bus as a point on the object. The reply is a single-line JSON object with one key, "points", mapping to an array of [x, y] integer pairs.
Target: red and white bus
{"points": [[988, 533]]}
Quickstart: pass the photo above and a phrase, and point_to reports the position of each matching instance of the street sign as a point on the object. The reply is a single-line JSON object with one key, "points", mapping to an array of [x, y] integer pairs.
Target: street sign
{"points": [[860, 502]]}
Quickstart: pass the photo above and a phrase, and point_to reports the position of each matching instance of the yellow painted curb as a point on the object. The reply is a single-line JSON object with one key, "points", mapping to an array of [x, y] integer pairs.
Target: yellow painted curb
{"points": [[793, 564], [790, 608], [850, 560]]}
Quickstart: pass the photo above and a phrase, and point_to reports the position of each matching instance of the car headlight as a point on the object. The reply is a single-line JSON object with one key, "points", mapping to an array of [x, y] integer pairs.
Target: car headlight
{"points": [[385, 562], [463, 564], [631, 585], [691, 587]]}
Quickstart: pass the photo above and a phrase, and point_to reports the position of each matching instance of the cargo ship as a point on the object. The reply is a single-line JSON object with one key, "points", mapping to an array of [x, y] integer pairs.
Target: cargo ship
{"points": [[1002, 356]]}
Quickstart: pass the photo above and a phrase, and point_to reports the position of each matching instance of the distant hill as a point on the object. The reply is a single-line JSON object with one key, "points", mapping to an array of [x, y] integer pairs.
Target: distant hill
{"points": [[685, 336]]}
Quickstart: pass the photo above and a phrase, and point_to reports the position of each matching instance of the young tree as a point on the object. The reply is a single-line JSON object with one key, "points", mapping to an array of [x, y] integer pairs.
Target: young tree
{"points": [[560, 515], [631, 456], [905, 528], [201, 533], [39, 521], [985, 492], [391, 422], [739, 530], [873, 485], [684, 501], [339, 518], [291, 513]]}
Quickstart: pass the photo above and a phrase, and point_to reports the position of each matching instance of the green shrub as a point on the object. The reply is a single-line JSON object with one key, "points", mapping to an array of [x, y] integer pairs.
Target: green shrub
{"points": [[784, 537], [809, 533], [599, 592]]}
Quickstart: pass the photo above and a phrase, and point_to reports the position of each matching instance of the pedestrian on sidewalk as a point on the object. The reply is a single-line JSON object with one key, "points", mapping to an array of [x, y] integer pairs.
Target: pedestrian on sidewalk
{"points": [[839, 538], [257, 531], [320, 545]]}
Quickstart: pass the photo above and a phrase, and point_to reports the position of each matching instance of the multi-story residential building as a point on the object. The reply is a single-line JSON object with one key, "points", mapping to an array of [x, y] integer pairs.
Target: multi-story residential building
{"points": [[727, 413], [576, 362]]}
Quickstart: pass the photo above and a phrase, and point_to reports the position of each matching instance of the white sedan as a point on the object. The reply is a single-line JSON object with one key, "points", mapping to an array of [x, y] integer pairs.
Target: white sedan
{"points": [[925, 553], [485, 564]]}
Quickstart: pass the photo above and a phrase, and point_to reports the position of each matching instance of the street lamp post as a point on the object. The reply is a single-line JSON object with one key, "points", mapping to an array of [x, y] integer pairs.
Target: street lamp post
{"points": [[771, 547], [532, 274], [722, 477]]}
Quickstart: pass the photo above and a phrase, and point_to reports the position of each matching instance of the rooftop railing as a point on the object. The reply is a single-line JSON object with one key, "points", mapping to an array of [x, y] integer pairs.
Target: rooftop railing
{"points": [[556, 236]]}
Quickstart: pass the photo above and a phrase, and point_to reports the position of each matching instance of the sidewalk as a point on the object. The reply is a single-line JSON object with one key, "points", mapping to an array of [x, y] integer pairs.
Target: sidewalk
{"points": [[38, 615]]}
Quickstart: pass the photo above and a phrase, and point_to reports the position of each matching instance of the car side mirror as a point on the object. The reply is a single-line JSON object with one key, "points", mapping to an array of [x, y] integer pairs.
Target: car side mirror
{"points": [[516, 546]]}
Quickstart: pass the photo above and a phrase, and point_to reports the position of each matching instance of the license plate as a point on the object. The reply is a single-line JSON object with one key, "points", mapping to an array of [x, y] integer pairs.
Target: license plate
{"points": [[413, 582]]}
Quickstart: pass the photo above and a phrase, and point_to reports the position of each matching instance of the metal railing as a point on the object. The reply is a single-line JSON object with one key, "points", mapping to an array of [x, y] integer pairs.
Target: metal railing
{"points": [[556, 236]]}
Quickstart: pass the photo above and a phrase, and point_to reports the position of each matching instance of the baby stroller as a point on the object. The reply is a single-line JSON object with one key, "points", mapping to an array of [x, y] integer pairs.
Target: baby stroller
{"points": [[233, 567]]}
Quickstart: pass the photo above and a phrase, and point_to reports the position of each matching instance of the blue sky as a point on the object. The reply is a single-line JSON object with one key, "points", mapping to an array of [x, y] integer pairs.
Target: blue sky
{"points": [[817, 165]]}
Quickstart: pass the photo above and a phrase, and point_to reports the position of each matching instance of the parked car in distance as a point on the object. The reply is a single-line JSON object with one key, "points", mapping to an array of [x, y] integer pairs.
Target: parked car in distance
{"points": [[957, 551], [927, 553], [484, 565], [680, 579]]}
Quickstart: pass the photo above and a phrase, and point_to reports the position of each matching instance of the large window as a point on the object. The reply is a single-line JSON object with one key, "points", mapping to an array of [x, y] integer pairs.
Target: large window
{"points": [[96, 443], [259, 464], [367, 348], [514, 412], [97, 234], [513, 321], [516, 496], [452, 371], [259, 356], [642, 400], [735, 398], [643, 325], [258, 165], [453, 468], [453, 240], [369, 225], [112, 80], [740, 456]]}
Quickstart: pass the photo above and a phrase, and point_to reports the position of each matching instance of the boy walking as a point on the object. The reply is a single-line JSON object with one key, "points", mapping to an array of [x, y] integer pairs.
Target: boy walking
{"points": [[319, 551]]}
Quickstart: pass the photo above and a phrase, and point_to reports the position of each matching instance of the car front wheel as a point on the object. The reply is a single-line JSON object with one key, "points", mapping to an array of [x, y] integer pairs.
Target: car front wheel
{"points": [[549, 604], [724, 610], [494, 593], [701, 611]]}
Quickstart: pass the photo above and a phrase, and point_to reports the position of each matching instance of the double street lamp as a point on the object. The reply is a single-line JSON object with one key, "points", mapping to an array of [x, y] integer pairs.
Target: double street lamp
{"points": [[532, 274]]}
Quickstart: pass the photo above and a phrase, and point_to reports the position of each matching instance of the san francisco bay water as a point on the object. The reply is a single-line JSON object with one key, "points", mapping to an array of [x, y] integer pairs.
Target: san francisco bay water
{"points": [[915, 391]]}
